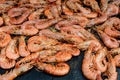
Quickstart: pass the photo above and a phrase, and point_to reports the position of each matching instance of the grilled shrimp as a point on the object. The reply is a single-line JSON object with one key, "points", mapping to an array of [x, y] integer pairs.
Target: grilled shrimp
{"points": [[36, 14], [46, 23], [61, 56], [100, 60], [11, 49], [5, 62], [61, 36], [21, 15], [110, 42], [37, 43], [111, 69], [111, 31], [28, 28], [112, 10], [4, 39], [23, 50], [58, 69], [93, 4], [34, 56], [84, 45], [104, 5], [97, 20], [88, 67], [17, 71]]}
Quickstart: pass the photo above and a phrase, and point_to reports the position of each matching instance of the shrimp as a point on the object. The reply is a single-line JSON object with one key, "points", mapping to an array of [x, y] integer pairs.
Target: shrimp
{"points": [[111, 31], [84, 45], [66, 10], [17, 71], [47, 23], [11, 29], [1, 21], [111, 69], [104, 5], [20, 18], [11, 49], [97, 20], [61, 36], [58, 69], [61, 56], [37, 43], [4, 39], [110, 42], [93, 4], [36, 14], [28, 28], [23, 50], [88, 67], [100, 62], [5, 62], [112, 10]]}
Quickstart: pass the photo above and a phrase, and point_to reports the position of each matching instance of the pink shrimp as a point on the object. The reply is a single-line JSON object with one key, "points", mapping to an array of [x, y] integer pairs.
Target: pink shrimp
{"points": [[93, 4], [37, 43], [4, 39], [45, 24], [23, 50], [108, 41], [17, 71], [58, 69], [111, 31], [97, 20], [88, 67], [36, 14], [100, 59], [5, 62], [61, 56], [11, 50], [112, 10], [28, 28], [22, 17], [111, 72], [61, 36]]}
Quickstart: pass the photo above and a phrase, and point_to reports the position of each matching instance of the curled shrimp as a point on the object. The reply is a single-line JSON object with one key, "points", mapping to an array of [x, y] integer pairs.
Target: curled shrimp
{"points": [[61, 36], [61, 56], [110, 42], [88, 67], [112, 10], [23, 50], [11, 49], [111, 31], [111, 69], [34, 56], [5, 62], [100, 60], [46, 23], [58, 69], [93, 4], [97, 20], [28, 28], [20, 17], [4, 39], [84, 45], [36, 14], [37, 43], [17, 71]]}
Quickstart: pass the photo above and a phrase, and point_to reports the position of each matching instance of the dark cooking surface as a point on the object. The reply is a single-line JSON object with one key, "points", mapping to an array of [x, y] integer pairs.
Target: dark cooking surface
{"points": [[74, 74]]}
